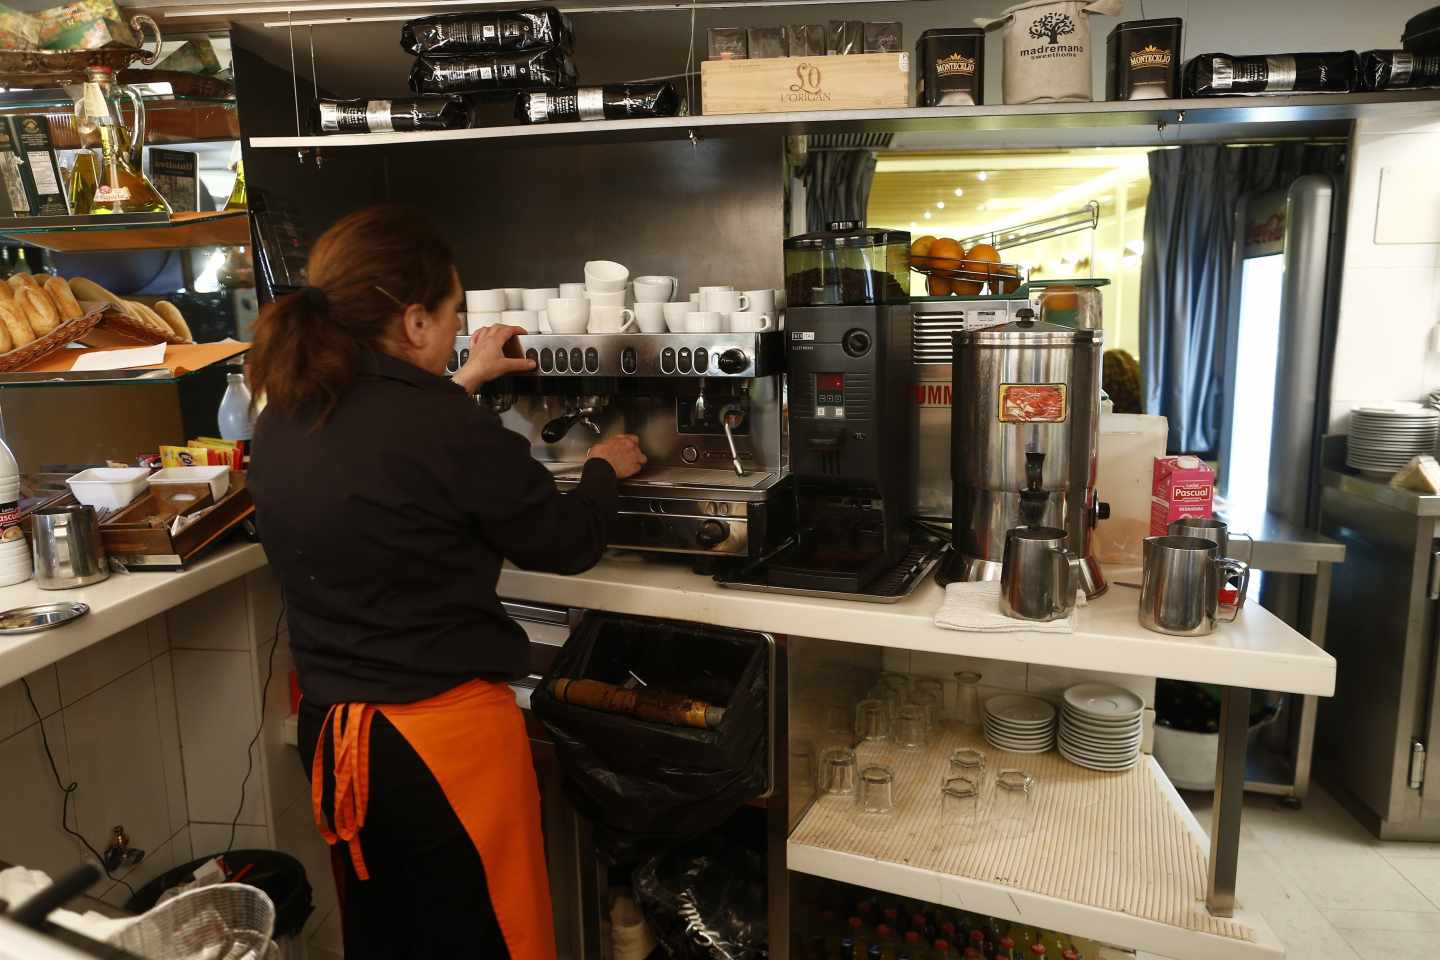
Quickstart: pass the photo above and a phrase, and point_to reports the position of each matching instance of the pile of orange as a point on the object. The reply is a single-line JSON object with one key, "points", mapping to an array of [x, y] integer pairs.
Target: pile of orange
{"points": [[981, 263]]}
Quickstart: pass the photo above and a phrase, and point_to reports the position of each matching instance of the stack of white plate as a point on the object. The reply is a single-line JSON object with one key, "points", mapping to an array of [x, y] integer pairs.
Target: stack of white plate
{"points": [[1019, 724], [1385, 436], [1100, 727]]}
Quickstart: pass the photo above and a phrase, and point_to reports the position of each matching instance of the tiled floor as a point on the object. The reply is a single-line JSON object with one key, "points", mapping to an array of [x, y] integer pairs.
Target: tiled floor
{"points": [[1329, 889]]}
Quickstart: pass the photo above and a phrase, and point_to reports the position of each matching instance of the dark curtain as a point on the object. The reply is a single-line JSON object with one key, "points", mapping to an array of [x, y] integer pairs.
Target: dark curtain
{"points": [[837, 186], [1185, 277]]}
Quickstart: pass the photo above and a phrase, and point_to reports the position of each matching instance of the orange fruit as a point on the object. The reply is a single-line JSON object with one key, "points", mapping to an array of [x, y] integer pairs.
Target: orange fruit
{"points": [[1007, 278], [983, 252], [920, 248], [937, 286], [946, 249]]}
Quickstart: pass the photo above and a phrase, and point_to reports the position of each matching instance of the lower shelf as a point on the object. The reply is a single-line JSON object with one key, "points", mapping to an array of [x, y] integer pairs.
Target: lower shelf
{"points": [[1113, 857]]}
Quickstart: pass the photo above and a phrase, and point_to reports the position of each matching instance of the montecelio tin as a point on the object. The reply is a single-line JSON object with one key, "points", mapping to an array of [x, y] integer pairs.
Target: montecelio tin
{"points": [[951, 67], [1142, 60]]}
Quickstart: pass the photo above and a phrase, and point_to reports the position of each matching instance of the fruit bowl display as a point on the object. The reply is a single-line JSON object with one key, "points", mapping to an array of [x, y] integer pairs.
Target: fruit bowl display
{"points": [[949, 268]]}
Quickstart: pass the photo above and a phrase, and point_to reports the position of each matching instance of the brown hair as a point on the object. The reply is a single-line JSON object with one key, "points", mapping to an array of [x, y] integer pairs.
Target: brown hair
{"points": [[363, 271]]}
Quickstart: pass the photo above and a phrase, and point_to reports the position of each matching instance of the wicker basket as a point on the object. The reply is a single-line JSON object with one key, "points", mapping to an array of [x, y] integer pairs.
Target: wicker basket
{"points": [[67, 333], [128, 328]]}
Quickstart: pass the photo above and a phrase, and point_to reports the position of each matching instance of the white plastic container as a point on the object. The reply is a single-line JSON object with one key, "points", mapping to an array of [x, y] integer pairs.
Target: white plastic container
{"points": [[1129, 444], [15, 560], [217, 477], [108, 486], [236, 423]]}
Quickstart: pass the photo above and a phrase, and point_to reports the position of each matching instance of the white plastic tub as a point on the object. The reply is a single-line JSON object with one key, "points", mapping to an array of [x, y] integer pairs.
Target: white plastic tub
{"points": [[217, 477], [108, 486]]}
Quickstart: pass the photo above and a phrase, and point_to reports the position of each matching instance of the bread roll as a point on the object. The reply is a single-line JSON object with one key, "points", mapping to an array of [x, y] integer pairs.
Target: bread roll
{"points": [[93, 292], [14, 321], [64, 300], [150, 320], [171, 315], [18, 280], [7, 343], [7, 293], [40, 311]]}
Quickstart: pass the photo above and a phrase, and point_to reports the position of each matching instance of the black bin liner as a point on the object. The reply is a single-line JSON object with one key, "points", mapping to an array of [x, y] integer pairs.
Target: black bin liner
{"points": [[654, 779], [706, 900], [279, 875]]}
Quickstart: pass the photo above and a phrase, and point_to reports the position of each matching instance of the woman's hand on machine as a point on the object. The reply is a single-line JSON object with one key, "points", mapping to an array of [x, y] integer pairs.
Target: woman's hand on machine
{"points": [[622, 452], [493, 353]]}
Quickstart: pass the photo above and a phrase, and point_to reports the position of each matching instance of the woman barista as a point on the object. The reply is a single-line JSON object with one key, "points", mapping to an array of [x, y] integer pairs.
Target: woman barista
{"points": [[387, 501]]}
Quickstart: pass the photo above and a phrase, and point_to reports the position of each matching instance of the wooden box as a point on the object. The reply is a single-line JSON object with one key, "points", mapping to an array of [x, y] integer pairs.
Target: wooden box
{"points": [[796, 84]]}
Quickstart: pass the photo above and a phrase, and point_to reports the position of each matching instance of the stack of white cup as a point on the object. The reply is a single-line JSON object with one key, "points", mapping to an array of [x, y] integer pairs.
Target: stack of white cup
{"points": [[723, 309], [16, 564], [605, 284]]}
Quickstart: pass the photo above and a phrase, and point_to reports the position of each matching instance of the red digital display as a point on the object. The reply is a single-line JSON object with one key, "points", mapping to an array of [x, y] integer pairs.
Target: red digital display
{"points": [[829, 382]]}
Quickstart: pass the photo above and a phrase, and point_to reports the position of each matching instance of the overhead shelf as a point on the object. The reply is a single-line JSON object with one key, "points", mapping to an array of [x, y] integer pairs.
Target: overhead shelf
{"points": [[1113, 857], [1157, 122], [121, 232]]}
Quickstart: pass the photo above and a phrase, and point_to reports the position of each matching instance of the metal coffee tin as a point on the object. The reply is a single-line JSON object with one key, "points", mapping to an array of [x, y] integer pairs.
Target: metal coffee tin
{"points": [[1142, 60], [951, 67]]}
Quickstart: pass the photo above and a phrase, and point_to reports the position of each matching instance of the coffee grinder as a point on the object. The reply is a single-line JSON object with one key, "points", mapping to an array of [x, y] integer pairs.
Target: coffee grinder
{"points": [[849, 380]]}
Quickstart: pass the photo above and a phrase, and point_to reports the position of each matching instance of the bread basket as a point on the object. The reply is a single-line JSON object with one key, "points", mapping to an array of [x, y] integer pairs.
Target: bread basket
{"points": [[66, 333]]}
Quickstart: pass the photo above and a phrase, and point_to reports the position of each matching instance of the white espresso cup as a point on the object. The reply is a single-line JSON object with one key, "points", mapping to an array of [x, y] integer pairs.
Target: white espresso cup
{"points": [[474, 321], [485, 301], [536, 297], [568, 315], [655, 289], [606, 298], [723, 301], [650, 316], [675, 315], [704, 321], [528, 320], [750, 321], [514, 298], [694, 301], [572, 291], [606, 276], [761, 301], [713, 288], [611, 319]]}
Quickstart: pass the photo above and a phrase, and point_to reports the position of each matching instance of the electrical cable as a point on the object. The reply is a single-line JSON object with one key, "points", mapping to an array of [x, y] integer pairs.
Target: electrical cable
{"points": [[67, 791], [250, 750]]}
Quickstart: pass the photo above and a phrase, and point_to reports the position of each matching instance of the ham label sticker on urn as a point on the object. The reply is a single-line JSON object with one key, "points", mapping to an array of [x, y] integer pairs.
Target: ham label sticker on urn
{"points": [[1032, 403], [1047, 48]]}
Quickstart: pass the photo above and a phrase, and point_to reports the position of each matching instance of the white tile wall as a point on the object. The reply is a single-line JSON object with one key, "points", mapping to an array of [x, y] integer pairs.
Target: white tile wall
{"points": [[16, 713], [215, 702], [212, 621], [31, 803], [90, 669], [158, 859], [170, 752], [210, 838]]}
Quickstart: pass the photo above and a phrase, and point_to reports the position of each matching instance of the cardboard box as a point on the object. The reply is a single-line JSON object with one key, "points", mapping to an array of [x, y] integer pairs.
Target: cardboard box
{"points": [[798, 84], [1182, 487], [48, 194]]}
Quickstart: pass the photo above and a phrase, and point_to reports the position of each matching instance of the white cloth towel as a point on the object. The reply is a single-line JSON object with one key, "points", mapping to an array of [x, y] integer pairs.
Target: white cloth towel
{"points": [[975, 607]]}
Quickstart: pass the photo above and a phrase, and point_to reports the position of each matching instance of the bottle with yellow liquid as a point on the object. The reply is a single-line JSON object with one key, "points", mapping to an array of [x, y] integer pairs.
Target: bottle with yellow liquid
{"points": [[237, 199], [84, 179], [122, 188]]}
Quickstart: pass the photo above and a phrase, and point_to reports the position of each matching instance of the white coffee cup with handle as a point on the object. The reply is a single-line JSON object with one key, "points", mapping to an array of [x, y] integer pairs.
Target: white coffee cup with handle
{"points": [[761, 301], [723, 301], [704, 321], [606, 276], [713, 288], [536, 297], [568, 315], [527, 320], [485, 301], [514, 298], [572, 291], [474, 321], [611, 319], [650, 316], [655, 289], [606, 298], [750, 321], [675, 315]]}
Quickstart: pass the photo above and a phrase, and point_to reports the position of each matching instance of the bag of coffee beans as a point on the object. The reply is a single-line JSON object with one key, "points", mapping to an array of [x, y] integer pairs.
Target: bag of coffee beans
{"points": [[502, 73], [1221, 75], [950, 67], [1047, 48], [460, 34], [1398, 70]]}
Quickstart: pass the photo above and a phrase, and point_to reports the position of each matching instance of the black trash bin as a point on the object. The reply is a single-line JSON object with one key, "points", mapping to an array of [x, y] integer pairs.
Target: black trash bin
{"points": [[279, 875]]}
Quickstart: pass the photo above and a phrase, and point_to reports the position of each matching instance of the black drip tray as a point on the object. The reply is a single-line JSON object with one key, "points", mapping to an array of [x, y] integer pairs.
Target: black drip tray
{"points": [[887, 586]]}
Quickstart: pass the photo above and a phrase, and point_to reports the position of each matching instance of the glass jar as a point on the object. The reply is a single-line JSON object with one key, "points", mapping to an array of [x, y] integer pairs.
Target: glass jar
{"points": [[847, 265]]}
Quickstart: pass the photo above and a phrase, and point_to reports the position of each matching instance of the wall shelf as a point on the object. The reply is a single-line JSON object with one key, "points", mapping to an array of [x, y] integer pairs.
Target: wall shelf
{"points": [[121, 232], [1157, 122]]}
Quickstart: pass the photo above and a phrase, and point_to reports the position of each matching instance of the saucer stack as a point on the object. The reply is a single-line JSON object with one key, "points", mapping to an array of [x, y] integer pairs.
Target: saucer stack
{"points": [[1385, 436], [1019, 724], [1101, 727]]}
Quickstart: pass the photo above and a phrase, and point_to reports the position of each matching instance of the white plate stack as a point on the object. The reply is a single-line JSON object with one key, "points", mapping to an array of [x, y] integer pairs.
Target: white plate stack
{"points": [[1384, 437], [1101, 726], [1019, 724]]}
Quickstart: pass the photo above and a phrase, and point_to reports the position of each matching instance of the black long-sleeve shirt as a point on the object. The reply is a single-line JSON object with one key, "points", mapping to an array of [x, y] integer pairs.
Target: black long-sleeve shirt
{"points": [[387, 525]]}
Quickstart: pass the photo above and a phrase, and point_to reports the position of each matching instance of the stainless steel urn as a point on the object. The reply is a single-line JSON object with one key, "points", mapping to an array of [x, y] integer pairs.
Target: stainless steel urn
{"points": [[1024, 430]]}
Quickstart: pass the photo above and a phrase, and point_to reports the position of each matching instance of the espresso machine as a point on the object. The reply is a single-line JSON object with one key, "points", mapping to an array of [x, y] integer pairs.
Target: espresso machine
{"points": [[1024, 430], [707, 409], [849, 376]]}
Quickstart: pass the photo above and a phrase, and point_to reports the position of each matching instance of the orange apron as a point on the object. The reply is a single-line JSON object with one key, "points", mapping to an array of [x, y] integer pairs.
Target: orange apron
{"points": [[472, 738]]}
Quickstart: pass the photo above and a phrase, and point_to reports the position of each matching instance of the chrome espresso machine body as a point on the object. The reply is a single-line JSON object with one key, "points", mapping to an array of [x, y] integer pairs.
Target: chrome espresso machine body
{"points": [[1024, 432], [707, 409]]}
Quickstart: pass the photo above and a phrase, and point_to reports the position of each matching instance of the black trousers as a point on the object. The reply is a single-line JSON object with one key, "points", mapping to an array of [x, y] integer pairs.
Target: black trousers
{"points": [[426, 896]]}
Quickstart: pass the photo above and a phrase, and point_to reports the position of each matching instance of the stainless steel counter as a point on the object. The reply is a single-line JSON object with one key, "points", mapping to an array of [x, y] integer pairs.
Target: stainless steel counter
{"points": [[1281, 547], [1379, 491]]}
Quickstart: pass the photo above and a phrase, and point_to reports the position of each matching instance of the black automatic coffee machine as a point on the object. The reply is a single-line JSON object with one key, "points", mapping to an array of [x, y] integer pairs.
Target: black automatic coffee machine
{"points": [[849, 378]]}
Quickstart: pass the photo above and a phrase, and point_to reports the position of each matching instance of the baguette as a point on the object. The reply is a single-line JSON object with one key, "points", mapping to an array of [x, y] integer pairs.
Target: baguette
{"points": [[40, 311], [7, 343], [150, 320], [15, 325], [18, 280], [65, 301], [92, 291], [7, 293], [171, 314]]}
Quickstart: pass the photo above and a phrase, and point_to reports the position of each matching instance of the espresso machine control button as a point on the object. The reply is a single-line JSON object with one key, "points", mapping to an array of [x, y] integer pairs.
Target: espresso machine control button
{"points": [[592, 360], [712, 533], [562, 361], [454, 363], [464, 356], [702, 360], [577, 360], [667, 360], [856, 343], [547, 360], [627, 359], [533, 356], [689, 454], [683, 360], [733, 361]]}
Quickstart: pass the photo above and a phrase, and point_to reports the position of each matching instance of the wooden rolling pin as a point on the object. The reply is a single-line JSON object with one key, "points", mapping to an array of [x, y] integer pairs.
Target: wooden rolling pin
{"points": [[671, 708]]}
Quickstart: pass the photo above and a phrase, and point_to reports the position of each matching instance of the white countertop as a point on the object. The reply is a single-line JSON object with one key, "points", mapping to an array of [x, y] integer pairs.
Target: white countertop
{"points": [[116, 604], [1257, 651]]}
